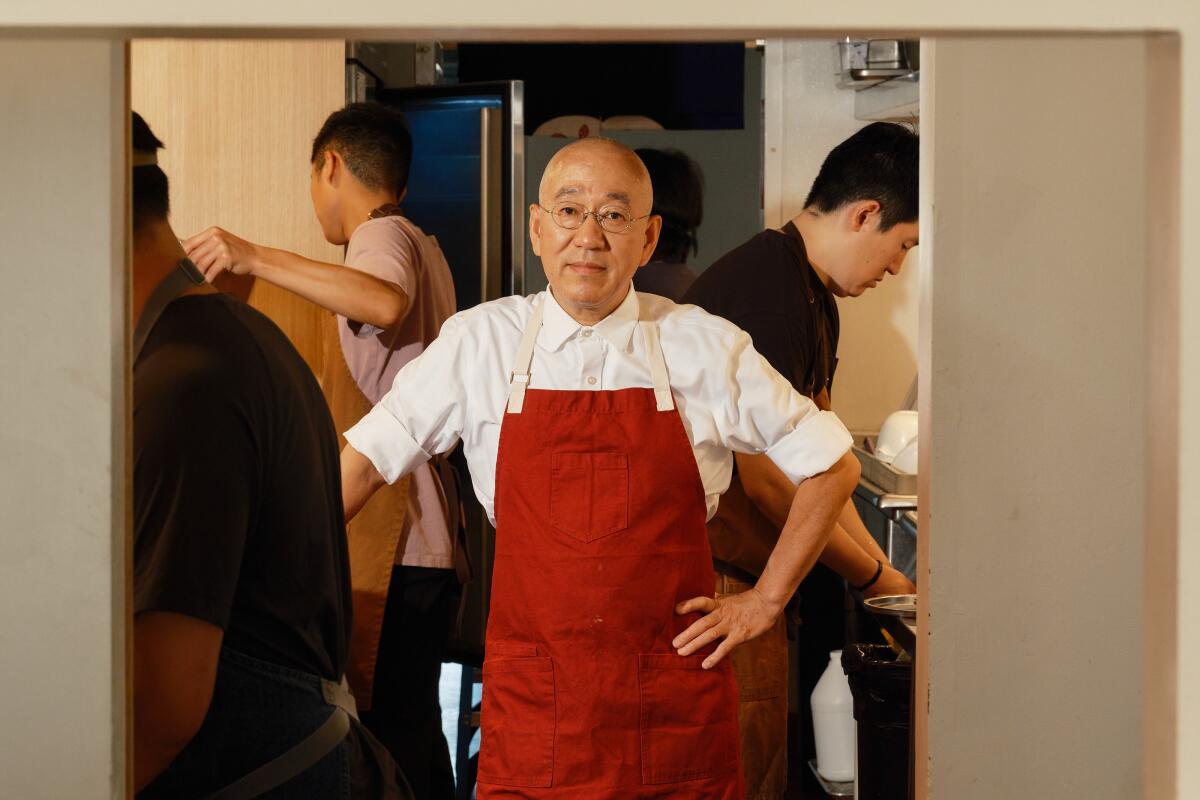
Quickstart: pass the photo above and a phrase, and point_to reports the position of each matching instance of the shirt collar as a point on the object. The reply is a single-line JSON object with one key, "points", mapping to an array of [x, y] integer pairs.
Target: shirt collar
{"points": [[558, 327]]}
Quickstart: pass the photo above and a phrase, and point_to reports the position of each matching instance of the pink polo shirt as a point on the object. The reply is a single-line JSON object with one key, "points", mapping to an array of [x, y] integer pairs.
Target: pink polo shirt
{"points": [[396, 250]]}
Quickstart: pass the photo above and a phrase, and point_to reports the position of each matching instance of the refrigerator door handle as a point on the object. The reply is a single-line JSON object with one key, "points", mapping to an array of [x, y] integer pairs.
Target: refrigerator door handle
{"points": [[491, 206]]}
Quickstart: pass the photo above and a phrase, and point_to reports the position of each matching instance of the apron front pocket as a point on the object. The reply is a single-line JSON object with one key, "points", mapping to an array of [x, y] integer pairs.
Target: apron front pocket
{"points": [[689, 726], [517, 721], [589, 494]]}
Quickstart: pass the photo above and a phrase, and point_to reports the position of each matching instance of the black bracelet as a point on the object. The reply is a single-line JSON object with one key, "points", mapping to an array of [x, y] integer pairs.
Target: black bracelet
{"points": [[875, 577]]}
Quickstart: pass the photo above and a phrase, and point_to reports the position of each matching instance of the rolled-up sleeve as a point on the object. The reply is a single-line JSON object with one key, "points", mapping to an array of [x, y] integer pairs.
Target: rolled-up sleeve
{"points": [[422, 414], [765, 414]]}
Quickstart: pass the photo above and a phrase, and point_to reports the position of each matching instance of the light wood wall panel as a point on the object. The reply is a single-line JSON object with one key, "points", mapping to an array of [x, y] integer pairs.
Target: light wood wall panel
{"points": [[238, 118]]}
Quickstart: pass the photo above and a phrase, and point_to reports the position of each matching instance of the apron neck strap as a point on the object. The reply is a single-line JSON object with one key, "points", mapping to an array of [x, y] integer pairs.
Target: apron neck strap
{"points": [[518, 380], [663, 399], [185, 276]]}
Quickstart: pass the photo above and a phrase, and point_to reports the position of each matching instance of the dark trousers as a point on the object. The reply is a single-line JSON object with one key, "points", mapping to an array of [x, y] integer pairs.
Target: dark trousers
{"points": [[405, 713]]}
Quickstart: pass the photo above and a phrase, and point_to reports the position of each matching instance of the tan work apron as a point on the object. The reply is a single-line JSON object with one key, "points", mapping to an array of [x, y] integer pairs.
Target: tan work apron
{"points": [[373, 534]]}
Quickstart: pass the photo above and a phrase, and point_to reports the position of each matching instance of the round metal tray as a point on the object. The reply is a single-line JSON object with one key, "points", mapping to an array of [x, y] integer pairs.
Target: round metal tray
{"points": [[894, 605]]}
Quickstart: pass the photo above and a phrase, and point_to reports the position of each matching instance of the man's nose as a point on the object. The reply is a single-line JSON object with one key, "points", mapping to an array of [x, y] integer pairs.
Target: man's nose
{"points": [[589, 235], [897, 262]]}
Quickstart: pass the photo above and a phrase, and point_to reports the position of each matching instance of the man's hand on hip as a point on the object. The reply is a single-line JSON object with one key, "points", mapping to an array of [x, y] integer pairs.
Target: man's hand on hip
{"points": [[734, 619]]}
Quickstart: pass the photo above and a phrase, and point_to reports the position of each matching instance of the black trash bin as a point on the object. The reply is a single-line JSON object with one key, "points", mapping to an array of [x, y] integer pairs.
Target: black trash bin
{"points": [[882, 689]]}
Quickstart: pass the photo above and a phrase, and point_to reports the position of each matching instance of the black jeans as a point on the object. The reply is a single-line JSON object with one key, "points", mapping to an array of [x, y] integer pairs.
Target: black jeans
{"points": [[405, 713], [258, 711]]}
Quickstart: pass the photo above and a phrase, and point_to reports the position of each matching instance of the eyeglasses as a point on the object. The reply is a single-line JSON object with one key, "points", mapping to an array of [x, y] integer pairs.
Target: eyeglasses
{"points": [[612, 219]]}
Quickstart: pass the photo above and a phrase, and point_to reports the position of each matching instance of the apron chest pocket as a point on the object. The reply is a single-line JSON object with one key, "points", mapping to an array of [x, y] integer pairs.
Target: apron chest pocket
{"points": [[589, 494], [517, 720], [688, 719]]}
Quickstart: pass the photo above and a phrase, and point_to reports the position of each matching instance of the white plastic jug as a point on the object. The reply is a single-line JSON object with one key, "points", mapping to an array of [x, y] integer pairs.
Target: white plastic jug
{"points": [[833, 722]]}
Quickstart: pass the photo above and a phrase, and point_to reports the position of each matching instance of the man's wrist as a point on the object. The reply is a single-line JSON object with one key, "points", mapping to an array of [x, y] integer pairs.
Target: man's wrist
{"points": [[260, 260], [875, 575], [774, 601]]}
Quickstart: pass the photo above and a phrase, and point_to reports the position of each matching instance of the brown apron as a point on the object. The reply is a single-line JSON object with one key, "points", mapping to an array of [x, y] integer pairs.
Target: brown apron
{"points": [[373, 535]]}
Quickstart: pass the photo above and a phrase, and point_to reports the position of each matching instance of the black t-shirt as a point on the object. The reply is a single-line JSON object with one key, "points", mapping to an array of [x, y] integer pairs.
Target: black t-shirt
{"points": [[768, 288], [237, 487]]}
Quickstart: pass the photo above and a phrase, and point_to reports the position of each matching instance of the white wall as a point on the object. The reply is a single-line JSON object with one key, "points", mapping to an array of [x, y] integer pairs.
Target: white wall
{"points": [[62, 433], [806, 117], [1034, 417]]}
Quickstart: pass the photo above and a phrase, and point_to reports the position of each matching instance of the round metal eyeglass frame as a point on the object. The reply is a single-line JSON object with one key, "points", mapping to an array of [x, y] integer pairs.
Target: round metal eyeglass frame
{"points": [[585, 214]]}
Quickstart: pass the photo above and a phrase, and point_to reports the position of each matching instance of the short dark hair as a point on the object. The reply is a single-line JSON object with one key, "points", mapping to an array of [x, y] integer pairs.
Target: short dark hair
{"points": [[373, 140], [151, 193], [879, 163], [678, 185]]}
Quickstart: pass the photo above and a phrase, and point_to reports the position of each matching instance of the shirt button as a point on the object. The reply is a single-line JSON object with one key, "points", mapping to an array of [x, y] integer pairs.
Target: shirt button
{"points": [[591, 381], [587, 332]]}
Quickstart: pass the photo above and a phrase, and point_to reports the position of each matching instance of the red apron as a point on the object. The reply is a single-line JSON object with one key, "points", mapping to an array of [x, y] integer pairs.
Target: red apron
{"points": [[600, 516]]}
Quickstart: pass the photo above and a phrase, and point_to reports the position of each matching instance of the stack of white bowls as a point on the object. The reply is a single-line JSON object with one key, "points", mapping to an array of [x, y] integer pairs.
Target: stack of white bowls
{"points": [[897, 443]]}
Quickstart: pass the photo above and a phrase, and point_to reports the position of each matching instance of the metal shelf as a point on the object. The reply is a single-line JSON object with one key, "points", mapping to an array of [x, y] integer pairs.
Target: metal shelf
{"points": [[896, 100], [831, 788]]}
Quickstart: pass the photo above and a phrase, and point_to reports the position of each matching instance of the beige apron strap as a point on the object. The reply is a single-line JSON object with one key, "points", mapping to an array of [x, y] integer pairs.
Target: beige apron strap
{"points": [[663, 398], [518, 380]]}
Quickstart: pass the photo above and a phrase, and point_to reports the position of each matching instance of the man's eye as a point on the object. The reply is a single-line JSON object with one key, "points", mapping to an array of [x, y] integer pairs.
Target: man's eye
{"points": [[615, 215], [567, 212]]}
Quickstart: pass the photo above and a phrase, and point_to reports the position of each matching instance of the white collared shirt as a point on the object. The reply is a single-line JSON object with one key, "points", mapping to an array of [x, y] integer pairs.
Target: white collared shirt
{"points": [[729, 397]]}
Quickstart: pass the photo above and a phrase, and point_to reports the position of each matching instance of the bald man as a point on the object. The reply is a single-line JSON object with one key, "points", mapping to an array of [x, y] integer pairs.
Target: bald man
{"points": [[599, 425]]}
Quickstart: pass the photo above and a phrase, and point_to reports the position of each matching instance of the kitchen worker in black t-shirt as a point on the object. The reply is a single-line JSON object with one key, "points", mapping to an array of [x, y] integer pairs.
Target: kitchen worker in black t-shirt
{"points": [[857, 225], [241, 579]]}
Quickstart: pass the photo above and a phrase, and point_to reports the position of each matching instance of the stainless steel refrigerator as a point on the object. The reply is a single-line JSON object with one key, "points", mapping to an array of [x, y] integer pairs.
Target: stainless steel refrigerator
{"points": [[467, 187]]}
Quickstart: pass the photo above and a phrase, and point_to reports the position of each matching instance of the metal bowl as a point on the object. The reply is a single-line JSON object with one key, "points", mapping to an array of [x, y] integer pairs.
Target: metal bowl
{"points": [[897, 614], [894, 605]]}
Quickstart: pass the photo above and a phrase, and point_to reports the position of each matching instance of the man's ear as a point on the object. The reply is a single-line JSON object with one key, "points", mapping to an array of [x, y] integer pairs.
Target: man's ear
{"points": [[864, 214], [653, 229], [535, 229], [332, 168]]}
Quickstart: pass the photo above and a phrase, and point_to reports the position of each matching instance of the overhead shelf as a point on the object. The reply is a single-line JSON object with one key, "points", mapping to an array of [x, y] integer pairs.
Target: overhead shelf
{"points": [[895, 100]]}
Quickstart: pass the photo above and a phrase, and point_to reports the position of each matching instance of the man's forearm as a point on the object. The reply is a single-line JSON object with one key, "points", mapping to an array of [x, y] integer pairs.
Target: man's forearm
{"points": [[852, 524], [342, 290], [817, 503], [847, 558], [774, 494], [360, 480]]}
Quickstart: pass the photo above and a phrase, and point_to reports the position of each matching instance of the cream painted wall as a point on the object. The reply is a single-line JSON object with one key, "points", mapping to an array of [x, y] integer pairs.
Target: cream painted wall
{"points": [[63, 398], [1033, 418], [806, 116]]}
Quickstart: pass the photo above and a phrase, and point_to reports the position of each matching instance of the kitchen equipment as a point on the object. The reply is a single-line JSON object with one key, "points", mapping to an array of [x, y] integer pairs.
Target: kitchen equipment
{"points": [[906, 459], [833, 722], [885, 477], [898, 430], [886, 54], [897, 614], [831, 788], [467, 188]]}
